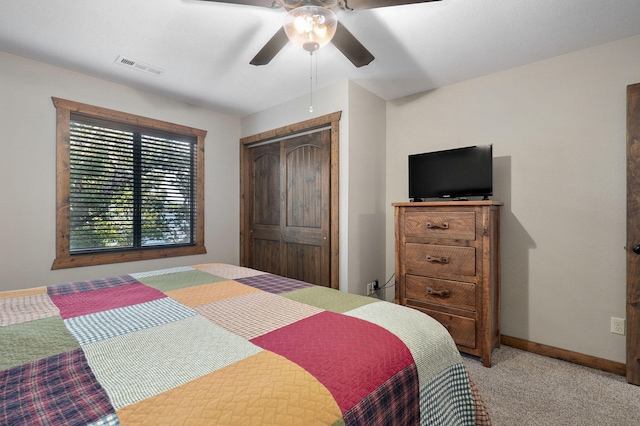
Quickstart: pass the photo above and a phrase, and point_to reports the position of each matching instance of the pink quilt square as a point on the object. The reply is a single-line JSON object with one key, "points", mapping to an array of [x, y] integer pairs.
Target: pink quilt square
{"points": [[89, 302]]}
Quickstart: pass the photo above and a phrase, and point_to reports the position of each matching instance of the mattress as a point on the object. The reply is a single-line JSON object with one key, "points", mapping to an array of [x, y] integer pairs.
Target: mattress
{"points": [[225, 345]]}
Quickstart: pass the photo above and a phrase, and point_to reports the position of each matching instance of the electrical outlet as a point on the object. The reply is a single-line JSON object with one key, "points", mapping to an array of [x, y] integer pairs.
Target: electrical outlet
{"points": [[617, 325], [369, 289]]}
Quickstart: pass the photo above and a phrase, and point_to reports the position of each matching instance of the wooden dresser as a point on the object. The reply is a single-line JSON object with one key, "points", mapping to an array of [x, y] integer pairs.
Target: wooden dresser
{"points": [[448, 266]]}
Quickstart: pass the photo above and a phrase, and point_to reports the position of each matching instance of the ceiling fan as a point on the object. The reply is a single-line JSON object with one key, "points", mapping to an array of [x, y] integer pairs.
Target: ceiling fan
{"points": [[338, 34]]}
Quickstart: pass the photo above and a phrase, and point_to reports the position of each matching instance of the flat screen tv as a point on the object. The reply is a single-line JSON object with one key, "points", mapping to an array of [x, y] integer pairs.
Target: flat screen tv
{"points": [[452, 173]]}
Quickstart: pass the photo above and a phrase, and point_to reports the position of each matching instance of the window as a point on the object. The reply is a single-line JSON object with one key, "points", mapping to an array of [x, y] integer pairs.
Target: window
{"points": [[128, 187]]}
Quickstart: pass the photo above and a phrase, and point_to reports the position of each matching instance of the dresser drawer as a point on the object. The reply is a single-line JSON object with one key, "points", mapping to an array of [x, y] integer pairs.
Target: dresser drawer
{"points": [[463, 330], [454, 294], [440, 224], [438, 259]]}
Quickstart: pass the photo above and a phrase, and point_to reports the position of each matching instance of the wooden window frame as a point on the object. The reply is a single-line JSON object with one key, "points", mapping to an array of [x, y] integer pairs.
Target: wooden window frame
{"points": [[64, 258]]}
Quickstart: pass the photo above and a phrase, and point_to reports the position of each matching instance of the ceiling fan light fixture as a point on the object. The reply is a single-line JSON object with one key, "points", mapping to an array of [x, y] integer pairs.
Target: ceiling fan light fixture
{"points": [[310, 27]]}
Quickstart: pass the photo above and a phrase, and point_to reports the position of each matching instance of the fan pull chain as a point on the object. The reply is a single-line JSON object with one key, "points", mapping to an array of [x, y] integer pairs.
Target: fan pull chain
{"points": [[310, 81]]}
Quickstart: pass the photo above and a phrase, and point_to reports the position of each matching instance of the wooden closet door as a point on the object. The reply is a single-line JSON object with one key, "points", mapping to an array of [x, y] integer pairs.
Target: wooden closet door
{"points": [[290, 229], [306, 207], [266, 212]]}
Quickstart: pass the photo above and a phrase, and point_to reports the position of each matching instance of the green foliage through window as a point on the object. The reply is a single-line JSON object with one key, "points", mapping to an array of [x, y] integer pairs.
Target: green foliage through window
{"points": [[129, 187]]}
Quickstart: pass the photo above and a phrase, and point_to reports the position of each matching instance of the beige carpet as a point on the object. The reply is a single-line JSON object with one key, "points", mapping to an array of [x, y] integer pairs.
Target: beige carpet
{"points": [[523, 389]]}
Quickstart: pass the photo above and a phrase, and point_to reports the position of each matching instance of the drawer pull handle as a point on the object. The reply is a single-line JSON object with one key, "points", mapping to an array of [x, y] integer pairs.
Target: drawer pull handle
{"points": [[435, 259], [441, 293], [443, 225]]}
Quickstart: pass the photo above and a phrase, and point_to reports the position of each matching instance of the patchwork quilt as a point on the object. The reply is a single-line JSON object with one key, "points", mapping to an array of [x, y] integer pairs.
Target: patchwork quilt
{"points": [[219, 344]]}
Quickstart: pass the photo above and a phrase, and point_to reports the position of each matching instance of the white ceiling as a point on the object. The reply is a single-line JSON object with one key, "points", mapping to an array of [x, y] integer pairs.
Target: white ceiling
{"points": [[204, 48]]}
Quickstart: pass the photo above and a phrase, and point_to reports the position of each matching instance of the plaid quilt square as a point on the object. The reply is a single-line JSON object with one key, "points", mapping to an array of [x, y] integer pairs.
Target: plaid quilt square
{"points": [[447, 399], [273, 283], [396, 402], [89, 285], [115, 322], [255, 314], [52, 391], [26, 308]]}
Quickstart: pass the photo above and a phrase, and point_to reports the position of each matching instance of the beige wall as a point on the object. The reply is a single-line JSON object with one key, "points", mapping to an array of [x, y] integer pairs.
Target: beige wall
{"points": [[367, 177], [558, 129], [28, 174]]}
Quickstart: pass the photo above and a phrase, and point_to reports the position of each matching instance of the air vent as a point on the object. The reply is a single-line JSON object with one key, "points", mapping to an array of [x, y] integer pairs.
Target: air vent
{"points": [[140, 66]]}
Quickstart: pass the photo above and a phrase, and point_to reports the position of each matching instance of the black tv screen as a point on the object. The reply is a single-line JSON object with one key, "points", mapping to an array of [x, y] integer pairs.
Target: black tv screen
{"points": [[452, 173]]}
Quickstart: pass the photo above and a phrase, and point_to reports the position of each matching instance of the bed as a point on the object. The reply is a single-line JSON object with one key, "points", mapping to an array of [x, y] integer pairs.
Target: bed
{"points": [[225, 345]]}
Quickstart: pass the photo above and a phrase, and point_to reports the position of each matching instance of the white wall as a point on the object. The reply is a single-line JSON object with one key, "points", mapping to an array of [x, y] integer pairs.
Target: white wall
{"points": [[28, 170], [362, 139], [558, 129]]}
